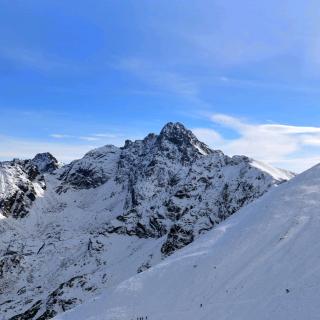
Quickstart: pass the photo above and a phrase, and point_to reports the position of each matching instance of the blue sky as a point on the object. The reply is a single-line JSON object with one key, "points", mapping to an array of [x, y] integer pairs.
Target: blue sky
{"points": [[243, 75]]}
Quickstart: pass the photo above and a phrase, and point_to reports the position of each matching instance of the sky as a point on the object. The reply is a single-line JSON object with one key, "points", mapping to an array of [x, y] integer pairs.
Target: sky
{"points": [[243, 75]]}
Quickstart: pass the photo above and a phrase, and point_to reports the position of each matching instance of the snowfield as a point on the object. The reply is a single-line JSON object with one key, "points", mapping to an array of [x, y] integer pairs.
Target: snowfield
{"points": [[261, 263]]}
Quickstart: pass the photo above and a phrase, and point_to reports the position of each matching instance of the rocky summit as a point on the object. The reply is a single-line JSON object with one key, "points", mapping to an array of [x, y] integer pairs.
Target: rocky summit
{"points": [[22, 181], [69, 232]]}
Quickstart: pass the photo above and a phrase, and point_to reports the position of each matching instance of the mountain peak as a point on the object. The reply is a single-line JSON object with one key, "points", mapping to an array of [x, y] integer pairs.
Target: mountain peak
{"points": [[163, 189], [45, 162], [173, 128], [180, 136]]}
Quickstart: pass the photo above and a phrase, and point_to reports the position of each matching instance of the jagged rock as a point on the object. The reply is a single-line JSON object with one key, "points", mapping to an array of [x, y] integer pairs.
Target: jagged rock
{"points": [[178, 238], [22, 181], [45, 162], [115, 212], [56, 301], [89, 172], [175, 177]]}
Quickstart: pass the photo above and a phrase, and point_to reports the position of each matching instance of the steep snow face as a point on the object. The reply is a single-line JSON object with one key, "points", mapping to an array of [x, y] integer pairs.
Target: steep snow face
{"points": [[262, 263], [278, 174], [114, 213]]}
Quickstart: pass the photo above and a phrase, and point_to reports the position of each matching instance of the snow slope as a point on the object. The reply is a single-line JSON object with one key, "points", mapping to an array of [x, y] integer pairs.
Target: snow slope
{"points": [[112, 214], [262, 263]]}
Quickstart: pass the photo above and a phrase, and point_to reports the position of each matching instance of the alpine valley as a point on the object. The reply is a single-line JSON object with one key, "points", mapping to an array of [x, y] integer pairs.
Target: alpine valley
{"points": [[91, 229]]}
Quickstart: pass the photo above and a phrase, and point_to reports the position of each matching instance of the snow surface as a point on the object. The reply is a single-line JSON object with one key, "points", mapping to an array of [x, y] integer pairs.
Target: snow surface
{"points": [[262, 263], [112, 214], [279, 174]]}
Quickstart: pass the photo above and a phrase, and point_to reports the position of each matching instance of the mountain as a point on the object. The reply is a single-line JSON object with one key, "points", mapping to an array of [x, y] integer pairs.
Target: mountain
{"points": [[262, 263], [22, 182], [114, 213]]}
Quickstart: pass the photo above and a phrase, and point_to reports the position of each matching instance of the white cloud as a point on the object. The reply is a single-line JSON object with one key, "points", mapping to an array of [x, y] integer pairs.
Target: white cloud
{"points": [[60, 136], [298, 164], [107, 135], [209, 136], [89, 138], [104, 138], [291, 147], [25, 149], [66, 148], [312, 140]]}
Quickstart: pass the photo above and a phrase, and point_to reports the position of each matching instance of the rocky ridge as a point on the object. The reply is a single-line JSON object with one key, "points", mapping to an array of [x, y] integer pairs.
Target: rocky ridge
{"points": [[113, 213], [22, 181]]}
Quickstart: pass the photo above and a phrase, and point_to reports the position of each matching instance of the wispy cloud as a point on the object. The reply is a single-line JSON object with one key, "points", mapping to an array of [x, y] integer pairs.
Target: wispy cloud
{"points": [[164, 79], [30, 58], [110, 137], [11, 147], [107, 135], [89, 138], [38, 60], [294, 147], [259, 84], [60, 136], [226, 35], [98, 138], [64, 147]]}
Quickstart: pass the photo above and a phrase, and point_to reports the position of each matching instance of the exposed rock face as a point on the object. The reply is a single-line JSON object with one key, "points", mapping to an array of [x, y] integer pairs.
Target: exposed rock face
{"points": [[45, 162], [177, 186], [58, 301], [22, 181], [111, 214], [89, 172], [260, 264]]}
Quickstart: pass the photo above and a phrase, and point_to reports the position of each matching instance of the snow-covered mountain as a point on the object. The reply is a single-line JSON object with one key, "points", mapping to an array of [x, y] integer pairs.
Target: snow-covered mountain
{"points": [[262, 263], [68, 233], [22, 181]]}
